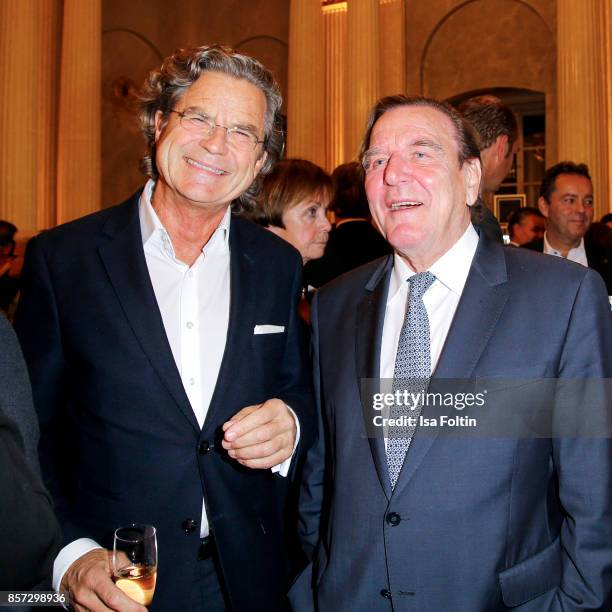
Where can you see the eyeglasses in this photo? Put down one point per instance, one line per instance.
(237, 137)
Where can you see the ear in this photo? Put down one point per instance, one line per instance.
(259, 164)
(472, 173)
(501, 146)
(543, 206)
(159, 124)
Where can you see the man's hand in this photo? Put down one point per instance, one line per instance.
(88, 580)
(262, 436)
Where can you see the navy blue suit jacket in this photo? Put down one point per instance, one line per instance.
(480, 524)
(119, 440)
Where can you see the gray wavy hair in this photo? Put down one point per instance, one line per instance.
(165, 86)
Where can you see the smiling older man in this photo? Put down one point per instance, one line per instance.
(163, 344)
(413, 518)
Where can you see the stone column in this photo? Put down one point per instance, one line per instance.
(392, 47)
(335, 17)
(584, 114)
(50, 17)
(306, 123)
(27, 29)
(79, 132)
(363, 70)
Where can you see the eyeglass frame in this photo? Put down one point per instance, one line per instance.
(214, 125)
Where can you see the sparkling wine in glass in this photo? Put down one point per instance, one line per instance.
(134, 561)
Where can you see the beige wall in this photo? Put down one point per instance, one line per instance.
(138, 33)
(457, 46)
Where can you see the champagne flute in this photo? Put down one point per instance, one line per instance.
(134, 561)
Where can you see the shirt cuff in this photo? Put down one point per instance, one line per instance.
(68, 555)
(282, 469)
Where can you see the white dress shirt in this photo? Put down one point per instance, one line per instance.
(194, 304)
(441, 301)
(577, 254)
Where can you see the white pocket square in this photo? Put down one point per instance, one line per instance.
(268, 329)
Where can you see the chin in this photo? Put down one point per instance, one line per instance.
(403, 239)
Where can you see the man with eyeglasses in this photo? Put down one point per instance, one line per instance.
(165, 354)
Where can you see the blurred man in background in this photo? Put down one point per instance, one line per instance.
(526, 224)
(566, 200)
(497, 130)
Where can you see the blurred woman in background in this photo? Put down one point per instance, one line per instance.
(293, 205)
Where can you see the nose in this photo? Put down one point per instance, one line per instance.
(397, 170)
(216, 141)
(324, 224)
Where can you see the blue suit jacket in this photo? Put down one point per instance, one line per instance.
(480, 524)
(119, 440)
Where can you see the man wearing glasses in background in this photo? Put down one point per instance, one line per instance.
(163, 345)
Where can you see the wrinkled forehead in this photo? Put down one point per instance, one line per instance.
(404, 125)
(218, 92)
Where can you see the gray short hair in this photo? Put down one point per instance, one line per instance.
(165, 86)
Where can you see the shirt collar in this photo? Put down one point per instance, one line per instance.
(572, 254)
(155, 234)
(451, 269)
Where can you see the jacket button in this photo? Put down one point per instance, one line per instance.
(189, 525)
(203, 447)
(386, 594)
(393, 519)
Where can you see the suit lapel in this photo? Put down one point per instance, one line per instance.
(482, 301)
(243, 289)
(370, 321)
(123, 258)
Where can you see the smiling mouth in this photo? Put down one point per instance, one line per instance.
(205, 167)
(403, 204)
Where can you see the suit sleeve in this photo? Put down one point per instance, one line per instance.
(313, 471)
(584, 463)
(37, 324)
(295, 387)
(29, 533)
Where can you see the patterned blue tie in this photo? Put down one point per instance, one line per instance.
(412, 369)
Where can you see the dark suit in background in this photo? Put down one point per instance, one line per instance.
(351, 244)
(485, 220)
(119, 440)
(29, 533)
(16, 393)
